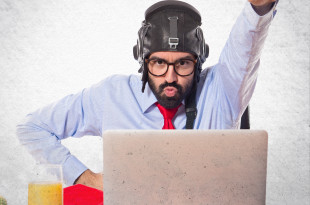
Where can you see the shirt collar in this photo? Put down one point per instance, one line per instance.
(148, 98)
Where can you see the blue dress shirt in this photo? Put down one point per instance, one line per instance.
(117, 102)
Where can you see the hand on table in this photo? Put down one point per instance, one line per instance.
(91, 179)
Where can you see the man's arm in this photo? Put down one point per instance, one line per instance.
(239, 61)
(75, 115)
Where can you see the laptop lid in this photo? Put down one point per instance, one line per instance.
(185, 167)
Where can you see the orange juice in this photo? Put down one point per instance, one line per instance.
(45, 193)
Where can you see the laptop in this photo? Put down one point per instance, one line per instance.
(185, 167)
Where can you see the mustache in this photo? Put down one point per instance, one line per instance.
(173, 84)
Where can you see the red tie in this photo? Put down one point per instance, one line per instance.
(168, 115)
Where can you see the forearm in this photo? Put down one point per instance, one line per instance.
(45, 147)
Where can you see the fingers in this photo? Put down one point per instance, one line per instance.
(261, 2)
(91, 179)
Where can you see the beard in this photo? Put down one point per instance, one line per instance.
(170, 102)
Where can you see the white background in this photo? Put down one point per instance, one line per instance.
(49, 49)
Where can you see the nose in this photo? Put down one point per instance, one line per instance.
(171, 76)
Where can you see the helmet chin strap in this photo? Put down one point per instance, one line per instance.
(190, 108)
(190, 101)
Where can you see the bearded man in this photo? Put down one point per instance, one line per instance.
(174, 93)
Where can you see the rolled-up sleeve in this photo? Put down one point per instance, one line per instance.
(75, 115)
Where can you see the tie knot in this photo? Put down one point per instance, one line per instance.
(167, 113)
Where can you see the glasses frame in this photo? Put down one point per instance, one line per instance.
(147, 61)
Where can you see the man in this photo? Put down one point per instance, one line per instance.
(176, 92)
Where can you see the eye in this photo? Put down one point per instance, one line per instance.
(184, 62)
(159, 62)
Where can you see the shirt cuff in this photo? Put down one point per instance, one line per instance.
(72, 169)
(257, 20)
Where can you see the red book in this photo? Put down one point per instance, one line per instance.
(81, 195)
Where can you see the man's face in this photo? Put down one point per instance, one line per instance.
(171, 88)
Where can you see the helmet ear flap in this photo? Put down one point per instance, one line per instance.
(204, 48)
(138, 48)
(135, 51)
(136, 55)
(144, 71)
(198, 68)
(206, 53)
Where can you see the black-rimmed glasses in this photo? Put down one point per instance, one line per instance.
(159, 67)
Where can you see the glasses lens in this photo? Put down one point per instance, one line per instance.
(157, 67)
(184, 67)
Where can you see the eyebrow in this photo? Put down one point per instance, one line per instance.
(182, 58)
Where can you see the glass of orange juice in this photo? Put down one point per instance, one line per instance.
(46, 185)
